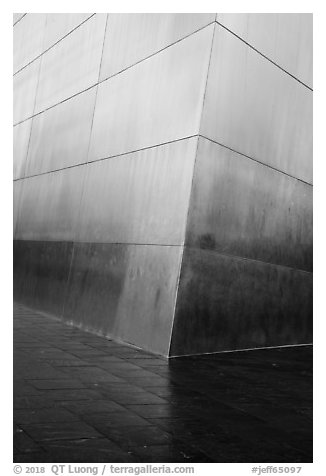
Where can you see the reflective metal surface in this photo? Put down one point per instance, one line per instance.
(17, 16)
(60, 24)
(124, 291)
(17, 191)
(140, 197)
(227, 303)
(94, 241)
(285, 38)
(72, 65)
(60, 136)
(49, 206)
(25, 84)
(243, 208)
(28, 39)
(21, 134)
(41, 270)
(156, 101)
(255, 108)
(132, 37)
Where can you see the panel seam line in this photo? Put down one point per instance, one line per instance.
(191, 189)
(256, 160)
(53, 45)
(115, 74)
(264, 56)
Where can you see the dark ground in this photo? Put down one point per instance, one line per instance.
(82, 398)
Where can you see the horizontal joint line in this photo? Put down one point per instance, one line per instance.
(107, 158)
(243, 258)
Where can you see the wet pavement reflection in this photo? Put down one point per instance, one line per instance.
(83, 398)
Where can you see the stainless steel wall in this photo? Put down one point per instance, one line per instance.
(107, 114)
(246, 277)
(162, 176)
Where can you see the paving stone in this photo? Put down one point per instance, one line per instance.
(87, 450)
(82, 398)
(89, 406)
(23, 443)
(106, 421)
(56, 384)
(60, 431)
(44, 415)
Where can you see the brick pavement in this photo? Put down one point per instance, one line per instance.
(83, 398)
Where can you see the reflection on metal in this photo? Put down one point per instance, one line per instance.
(17, 192)
(41, 270)
(49, 206)
(156, 101)
(60, 136)
(25, 84)
(228, 303)
(17, 17)
(255, 108)
(140, 197)
(121, 190)
(284, 38)
(132, 37)
(21, 137)
(243, 208)
(124, 291)
(60, 24)
(72, 65)
(28, 39)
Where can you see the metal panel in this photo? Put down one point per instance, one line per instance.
(124, 291)
(257, 109)
(17, 16)
(60, 136)
(140, 197)
(226, 303)
(41, 272)
(28, 39)
(17, 191)
(285, 38)
(50, 204)
(244, 208)
(132, 37)
(72, 65)
(60, 24)
(21, 134)
(156, 101)
(25, 84)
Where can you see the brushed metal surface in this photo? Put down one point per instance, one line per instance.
(226, 303)
(124, 291)
(21, 134)
(140, 197)
(60, 136)
(257, 109)
(60, 24)
(41, 270)
(17, 191)
(131, 37)
(28, 39)
(25, 84)
(50, 204)
(285, 38)
(72, 65)
(156, 101)
(17, 16)
(241, 207)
